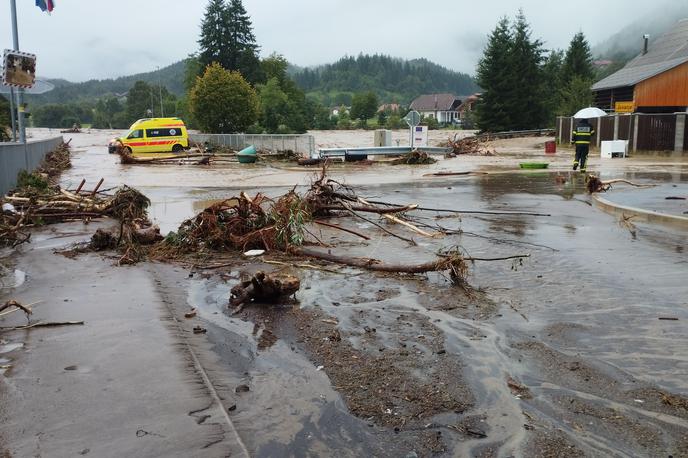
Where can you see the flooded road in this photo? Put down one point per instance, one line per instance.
(591, 328)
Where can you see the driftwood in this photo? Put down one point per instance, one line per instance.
(262, 288)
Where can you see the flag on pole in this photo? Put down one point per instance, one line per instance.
(46, 5)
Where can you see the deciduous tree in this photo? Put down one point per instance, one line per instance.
(222, 101)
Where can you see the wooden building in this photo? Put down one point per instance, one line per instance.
(656, 81)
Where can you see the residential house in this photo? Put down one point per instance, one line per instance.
(656, 81)
(442, 107)
(467, 105)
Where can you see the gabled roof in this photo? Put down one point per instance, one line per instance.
(668, 51)
(433, 102)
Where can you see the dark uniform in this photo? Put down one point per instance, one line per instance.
(581, 138)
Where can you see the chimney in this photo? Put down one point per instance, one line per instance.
(435, 101)
(646, 40)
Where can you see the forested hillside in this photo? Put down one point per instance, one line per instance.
(171, 77)
(393, 80)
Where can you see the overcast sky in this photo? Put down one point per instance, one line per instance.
(85, 39)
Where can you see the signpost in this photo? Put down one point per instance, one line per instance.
(19, 69)
(412, 119)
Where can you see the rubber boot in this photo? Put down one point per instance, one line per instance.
(575, 165)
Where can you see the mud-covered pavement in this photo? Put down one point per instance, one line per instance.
(578, 351)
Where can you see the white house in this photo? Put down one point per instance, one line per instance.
(443, 107)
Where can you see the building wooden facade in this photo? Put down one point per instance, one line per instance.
(656, 81)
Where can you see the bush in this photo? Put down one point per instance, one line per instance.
(31, 180)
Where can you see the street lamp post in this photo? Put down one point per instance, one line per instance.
(20, 91)
(162, 110)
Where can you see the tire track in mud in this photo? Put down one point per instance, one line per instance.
(200, 370)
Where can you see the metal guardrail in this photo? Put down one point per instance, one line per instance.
(517, 133)
(375, 151)
(19, 156)
(304, 144)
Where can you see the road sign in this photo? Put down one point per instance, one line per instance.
(412, 118)
(19, 69)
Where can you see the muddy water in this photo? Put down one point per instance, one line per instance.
(590, 290)
(590, 296)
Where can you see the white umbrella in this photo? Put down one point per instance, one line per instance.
(590, 112)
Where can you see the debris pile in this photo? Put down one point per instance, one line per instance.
(283, 225)
(414, 157)
(55, 162)
(468, 145)
(75, 129)
(36, 203)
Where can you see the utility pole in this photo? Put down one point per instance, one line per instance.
(162, 110)
(13, 113)
(20, 92)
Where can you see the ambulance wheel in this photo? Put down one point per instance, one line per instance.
(127, 151)
(177, 148)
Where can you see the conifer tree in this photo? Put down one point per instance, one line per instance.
(492, 76)
(213, 34)
(527, 102)
(227, 38)
(578, 60)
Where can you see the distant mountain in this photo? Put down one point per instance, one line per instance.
(392, 79)
(628, 42)
(172, 77)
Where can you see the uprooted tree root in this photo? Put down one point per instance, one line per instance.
(262, 288)
(594, 184)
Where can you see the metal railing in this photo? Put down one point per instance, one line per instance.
(303, 144)
(22, 156)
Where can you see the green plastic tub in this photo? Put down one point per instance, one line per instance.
(534, 165)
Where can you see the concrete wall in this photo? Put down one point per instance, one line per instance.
(16, 156)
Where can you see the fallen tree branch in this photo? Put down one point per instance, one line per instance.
(353, 212)
(379, 211)
(18, 306)
(411, 226)
(398, 208)
(46, 325)
(344, 229)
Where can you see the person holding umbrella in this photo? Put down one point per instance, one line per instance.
(582, 135)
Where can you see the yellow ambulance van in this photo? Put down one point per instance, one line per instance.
(153, 135)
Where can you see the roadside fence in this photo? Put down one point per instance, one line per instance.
(644, 132)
